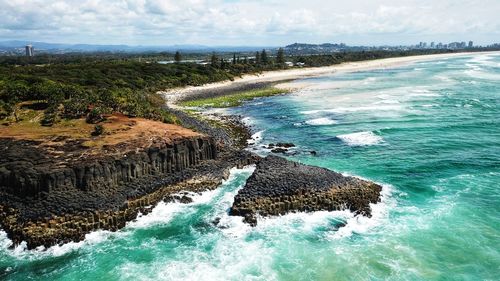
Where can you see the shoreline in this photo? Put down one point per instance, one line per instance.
(277, 77)
(151, 174)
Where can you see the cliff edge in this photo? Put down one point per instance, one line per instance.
(57, 184)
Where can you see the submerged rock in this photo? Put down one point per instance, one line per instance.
(285, 144)
(279, 150)
(279, 186)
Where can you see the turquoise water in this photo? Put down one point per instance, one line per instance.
(429, 132)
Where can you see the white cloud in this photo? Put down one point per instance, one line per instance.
(220, 22)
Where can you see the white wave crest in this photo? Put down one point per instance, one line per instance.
(248, 121)
(369, 80)
(4, 241)
(474, 73)
(321, 122)
(360, 139)
(387, 102)
(444, 78)
(256, 138)
(21, 251)
(423, 93)
(363, 224)
(356, 109)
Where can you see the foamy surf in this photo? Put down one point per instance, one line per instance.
(377, 108)
(21, 251)
(363, 224)
(387, 102)
(163, 212)
(423, 93)
(256, 138)
(360, 139)
(321, 122)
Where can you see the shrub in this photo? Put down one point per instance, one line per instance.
(98, 130)
(95, 116)
(48, 119)
(75, 108)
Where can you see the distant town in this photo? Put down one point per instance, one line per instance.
(19, 48)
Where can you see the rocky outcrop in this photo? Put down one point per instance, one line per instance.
(47, 200)
(279, 186)
(27, 171)
(63, 228)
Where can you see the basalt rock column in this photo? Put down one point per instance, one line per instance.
(279, 186)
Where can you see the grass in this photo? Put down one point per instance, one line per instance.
(235, 99)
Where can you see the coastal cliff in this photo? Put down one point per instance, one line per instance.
(28, 171)
(55, 190)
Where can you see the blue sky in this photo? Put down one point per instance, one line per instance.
(250, 23)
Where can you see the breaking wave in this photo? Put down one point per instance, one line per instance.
(321, 122)
(360, 139)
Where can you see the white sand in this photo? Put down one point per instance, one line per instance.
(292, 74)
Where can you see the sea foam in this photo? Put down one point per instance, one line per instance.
(363, 224)
(256, 138)
(360, 139)
(21, 251)
(321, 122)
(356, 109)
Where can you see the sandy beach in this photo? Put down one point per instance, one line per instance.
(251, 81)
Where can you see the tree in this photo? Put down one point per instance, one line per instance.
(257, 58)
(234, 58)
(177, 57)
(280, 56)
(214, 60)
(263, 57)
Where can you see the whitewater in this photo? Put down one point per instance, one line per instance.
(429, 132)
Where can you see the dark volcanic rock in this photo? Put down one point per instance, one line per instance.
(279, 186)
(29, 171)
(279, 150)
(285, 144)
(46, 201)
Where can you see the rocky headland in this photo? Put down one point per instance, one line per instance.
(57, 184)
(57, 189)
(279, 186)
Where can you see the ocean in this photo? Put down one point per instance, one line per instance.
(429, 132)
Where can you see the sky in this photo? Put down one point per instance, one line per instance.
(250, 23)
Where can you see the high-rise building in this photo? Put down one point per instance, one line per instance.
(29, 51)
(471, 44)
(433, 45)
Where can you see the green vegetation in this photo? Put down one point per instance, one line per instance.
(235, 99)
(78, 86)
(90, 86)
(76, 90)
(280, 56)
